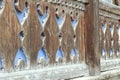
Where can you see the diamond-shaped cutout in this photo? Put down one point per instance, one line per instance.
(1, 64)
(21, 15)
(104, 28)
(118, 52)
(60, 19)
(74, 21)
(104, 52)
(118, 31)
(43, 17)
(111, 52)
(73, 54)
(2, 6)
(59, 55)
(20, 60)
(111, 30)
(42, 57)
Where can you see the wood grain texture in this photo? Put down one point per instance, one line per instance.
(116, 41)
(9, 39)
(33, 42)
(92, 37)
(51, 31)
(67, 43)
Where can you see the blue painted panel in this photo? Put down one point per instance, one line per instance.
(73, 52)
(21, 15)
(59, 20)
(104, 52)
(73, 22)
(1, 4)
(59, 53)
(111, 29)
(118, 52)
(104, 28)
(42, 53)
(111, 52)
(1, 63)
(42, 18)
(20, 55)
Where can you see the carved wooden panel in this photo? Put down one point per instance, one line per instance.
(109, 31)
(41, 33)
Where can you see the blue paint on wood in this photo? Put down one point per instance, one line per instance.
(21, 15)
(104, 27)
(42, 18)
(59, 20)
(73, 52)
(73, 22)
(1, 66)
(104, 52)
(111, 52)
(20, 55)
(42, 54)
(1, 4)
(59, 53)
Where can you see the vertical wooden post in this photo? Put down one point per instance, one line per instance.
(92, 37)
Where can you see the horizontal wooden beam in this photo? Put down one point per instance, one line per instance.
(111, 8)
(61, 72)
(52, 73)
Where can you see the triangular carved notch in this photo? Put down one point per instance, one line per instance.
(42, 16)
(22, 15)
(2, 6)
(60, 19)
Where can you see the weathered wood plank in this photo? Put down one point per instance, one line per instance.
(51, 31)
(33, 35)
(109, 7)
(92, 37)
(80, 37)
(67, 42)
(9, 39)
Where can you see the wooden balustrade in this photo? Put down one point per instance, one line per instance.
(109, 30)
(40, 33)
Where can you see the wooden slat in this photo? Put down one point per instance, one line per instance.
(51, 31)
(116, 41)
(80, 41)
(67, 42)
(9, 39)
(100, 34)
(33, 41)
(108, 39)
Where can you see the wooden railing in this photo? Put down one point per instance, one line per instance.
(109, 31)
(65, 35)
(109, 34)
(41, 33)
